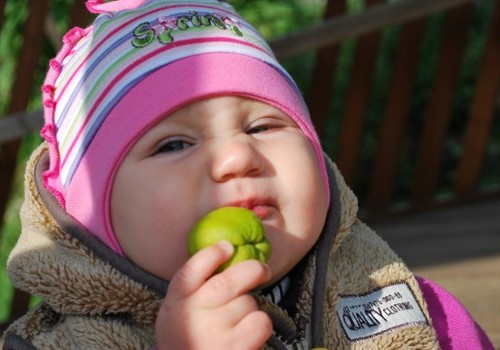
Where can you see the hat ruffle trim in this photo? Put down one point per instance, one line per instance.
(51, 177)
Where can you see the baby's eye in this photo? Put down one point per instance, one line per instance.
(172, 146)
(261, 128)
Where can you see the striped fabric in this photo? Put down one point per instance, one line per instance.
(277, 291)
(124, 48)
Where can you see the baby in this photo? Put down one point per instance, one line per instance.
(159, 113)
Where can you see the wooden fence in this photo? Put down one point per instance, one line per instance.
(366, 28)
(438, 112)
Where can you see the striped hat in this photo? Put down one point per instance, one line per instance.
(140, 61)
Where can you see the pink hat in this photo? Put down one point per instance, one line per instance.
(139, 61)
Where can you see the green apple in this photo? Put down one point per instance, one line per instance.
(239, 226)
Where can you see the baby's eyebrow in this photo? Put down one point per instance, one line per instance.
(172, 125)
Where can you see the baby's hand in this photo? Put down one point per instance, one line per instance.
(201, 311)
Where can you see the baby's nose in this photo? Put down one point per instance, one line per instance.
(235, 158)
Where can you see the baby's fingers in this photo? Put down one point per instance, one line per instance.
(195, 272)
(233, 282)
(259, 325)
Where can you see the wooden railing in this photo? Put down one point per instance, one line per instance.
(394, 123)
(366, 28)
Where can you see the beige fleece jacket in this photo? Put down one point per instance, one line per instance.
(354, 293)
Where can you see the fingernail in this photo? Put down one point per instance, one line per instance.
(226, 246)
(269, 272)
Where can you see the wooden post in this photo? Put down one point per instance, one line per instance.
(21, 92)
(356, 102)
(439, 109)
(324, 68)
(22, 88)
(396, 113)
(79, 16)
(481, 114)
(2, 12)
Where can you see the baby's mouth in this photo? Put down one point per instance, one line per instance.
(262, 211)
(262, 208)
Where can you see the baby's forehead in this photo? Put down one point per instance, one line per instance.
(221, 104)
(200, 112)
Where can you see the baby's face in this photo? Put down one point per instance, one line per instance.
(222, 151)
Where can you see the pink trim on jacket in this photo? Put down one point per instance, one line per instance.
(455, 327)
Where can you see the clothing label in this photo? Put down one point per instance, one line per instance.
(367, 315)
